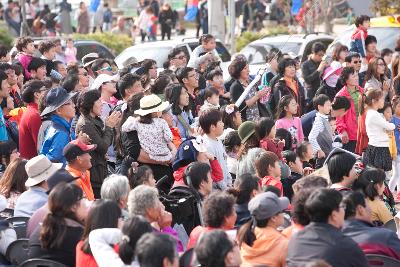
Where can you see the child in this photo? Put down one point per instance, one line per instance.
(26, 49)
(214, 78)
(213, 127)
(377, 153)
(268, 170)
(154, 134)
(287, 108)
(336, 139)
(176, 137)
(140, 175)
(232, 144)
(321, 133)
(211, 99)
(265, 130)
(387, 114)
(357, 44)
(207, 44)
(231, 118)
(305, 153)
(395, 180)
(70, 52)
(296, 172)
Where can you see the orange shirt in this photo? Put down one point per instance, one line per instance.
(83, 181)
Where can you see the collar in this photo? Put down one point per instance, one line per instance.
(33, 105)
(357, 222)
(57, 119)
(38, 189)
(76, 173)
(322, 115)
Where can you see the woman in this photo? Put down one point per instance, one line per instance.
(150, 72)
(103, 213)
(244, 189)
(375, 76)
(287, 85)
(259, 240)
(100, 133)
(144, 21)
(396, 74)
(62, 228)
(12, 184)
(166, 19)
(159, 85)
(82, 18)
(251, 108)
(180, 109)
(339, 53)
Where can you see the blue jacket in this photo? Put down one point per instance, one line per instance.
(56, 138)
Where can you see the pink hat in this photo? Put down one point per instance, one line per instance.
(334, 67)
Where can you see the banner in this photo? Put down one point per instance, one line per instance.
(191, 11)
(296, 5)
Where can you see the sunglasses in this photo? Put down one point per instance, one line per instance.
(106, 69)
(357, 62)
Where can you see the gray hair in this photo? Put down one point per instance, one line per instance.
(141, 199)
(115, 187)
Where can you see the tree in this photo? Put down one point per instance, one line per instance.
(385, 7)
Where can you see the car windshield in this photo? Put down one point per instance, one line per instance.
(386, 37)
(287, 47)
(256, 54)
(159, 54)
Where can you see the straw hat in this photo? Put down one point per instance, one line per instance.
(150, 104)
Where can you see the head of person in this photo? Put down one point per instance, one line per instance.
(4, 54)
(138, 175)
(215, 78)
(48, 49)
(247, 133)
(89, 103)
(370, 44)
(58, 48)
(231, 117)
(39, 169)
(396, 65)
(377, 68)
(121, 22)
(198, 176)
(71, 83)
(215, 248)
(356, 207)
(189, 151)
(267, 164)
(37, 68)
(396, 106)
(60, 68)
(287, 105)
(232, 142)
(287, 68)
(387, 111)
(293, 161)
(273, 57)
(324, 206)
(10, 71)
(362, 21)
(211, 122)
(340, 52)
(14, 178)
(245, 187)
(157, 250)
(25, 45)
(353, 59)
(283, 134)
(101, 66)
(103, 213)
(77, 155)
(265, 128)
(82, 74)
(219, 211)
(150, 69)
(19, 74)
(266, 210)
(32, 91)
(5, 86)
(340, 106)
(160, 83)
(318, 50)
(387, 55)
(373, 98)
(239, 69)
(65, 202)
(143, 200)
(305, 151)
(341, 168)
(310, 181)
(322, 104)
(211, 95)
(129, 84)
(207, 41)
(88, 60)
(116, 188)
(188, 77)
(177, 58)
(298, 212)
(371, 182)
(133, 229)
(179, 98)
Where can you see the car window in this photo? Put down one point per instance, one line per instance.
(287, 47)
(255, 54)
(159, 54)
(83, 49)
(104, 52)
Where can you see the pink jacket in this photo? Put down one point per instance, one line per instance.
(348, 122)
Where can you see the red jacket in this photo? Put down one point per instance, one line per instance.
(348, 122)
(28, 131)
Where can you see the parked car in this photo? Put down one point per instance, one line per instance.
(386, 30)
(298, 44)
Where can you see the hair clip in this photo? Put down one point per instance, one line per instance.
(371, 181)
(229, 109)
(124, 107)
(126, 238)
(134, 166)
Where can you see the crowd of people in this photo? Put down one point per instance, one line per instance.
(116, 167)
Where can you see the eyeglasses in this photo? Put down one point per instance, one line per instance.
(357, 62)
(84, 73)
(180, 57)
(381, 64)
(106, 69)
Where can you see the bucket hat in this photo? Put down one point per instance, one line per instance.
(40, 169)
(55, 98)
(88, 59)
(246, 130)
(151, 103)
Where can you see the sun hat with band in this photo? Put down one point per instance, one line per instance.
(39, 169)
(266, 205)
(103, 78)
(76, 148)
(55, 98)
(151, 103)
(246, 130)
(88, 59)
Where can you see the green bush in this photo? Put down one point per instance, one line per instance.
(6, 38)
(248, 37)
(116, 42)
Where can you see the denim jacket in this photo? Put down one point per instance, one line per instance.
(56, 138)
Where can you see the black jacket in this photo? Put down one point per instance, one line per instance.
(311, 76)
(326, 242)
(281, 89)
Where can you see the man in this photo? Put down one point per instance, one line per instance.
(101, 66)
(128, 85)
(313, 68)
(177, 59)
(37, 68)
(342, 170)
(322, 238)
(189, 78)
(354, 60)
(120, 27)
(48, 51)
(61, 110)
(30, 122)
(77, 155)
(106, 86)
(60, 68)
(359, 227)
(370, 47)
(39, 169)
(156, 249)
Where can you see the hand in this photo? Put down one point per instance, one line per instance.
(308, 171)
(10, 103)
(196, 131)
(322, 66)
(386, 86)
(282, 141)
(320, 154)
(84, 138)
(345, 137)
(113, 119)
(165, 219)
(209, 156)
(262, 93)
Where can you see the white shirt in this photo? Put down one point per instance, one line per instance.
(376, 127)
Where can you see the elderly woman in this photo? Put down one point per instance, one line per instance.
(100, 133)
(116, 187)
(251, 108)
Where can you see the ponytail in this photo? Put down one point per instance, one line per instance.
(361, 103)
(246, 232)
(368, 98)
(53, 231)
